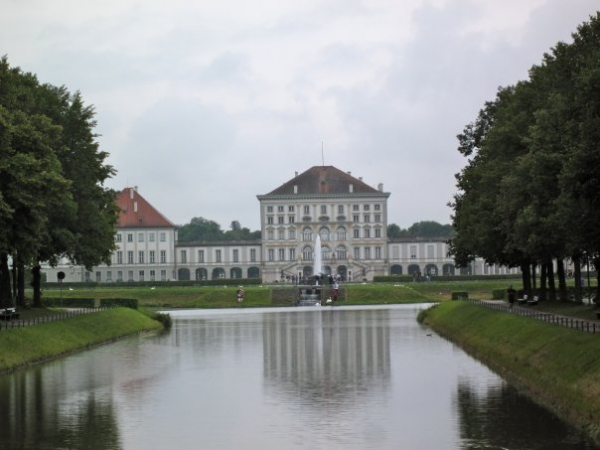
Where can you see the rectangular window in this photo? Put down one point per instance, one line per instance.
(152, 257)
(200, 256)
(271, 254)
(119, 276)
(218, 256)
(377, 217)
(280, 209)
(377, 232)
(413, 251)
(270, 235)
(119, 257)
(269, 209)
(163, 236)
(377, 207)
(152, 275)
(151, 236)
(163, 275)
(355, 207)
(367, 252)
(366, 207)
(292, 233)
(130, 257)
(118, 237)
(292, 254)
(140, 237)
(430, 251)
(129, 237)
(270, 220)
(323, 209)
(377, 252)
(236, 255)
(356, 252)
(163, 256)
(141, 275)
(130, 275)
(183, 256)
(367, 232)
(141, 257)
(340, 209)
(356, 218)
(291, 208)
(367, 218)
(306, 209)
(280, 220)
(281, 253)
(109, 275)
(281, 234)
(98, 277)
(356, 233)
(252, 255)
(291, 219)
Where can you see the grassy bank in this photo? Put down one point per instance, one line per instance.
(24, 346)
(557, 367)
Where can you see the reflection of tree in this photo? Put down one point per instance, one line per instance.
(328, 354)
(33, 417)
(503, 418)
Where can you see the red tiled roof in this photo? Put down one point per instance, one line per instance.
(136, 212)
(324, 180)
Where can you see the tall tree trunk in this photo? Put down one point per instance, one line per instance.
(543, 281)
(21, 285)
(14, 280)
(577, 275)
(36, 273)
(5, 290)
(526, 276)
(562, 281)
(533, 278)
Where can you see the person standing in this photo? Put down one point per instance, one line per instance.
(512, 296)
(240, 295)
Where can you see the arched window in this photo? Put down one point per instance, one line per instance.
(324, 233)
(307, 253)
(325, 252)
(201, 274)
(341, 233)
(341, 252)
(307, 234)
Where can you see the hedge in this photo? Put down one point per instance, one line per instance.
(72, 302)
(126, 302)
(460, 295)
(175, 283)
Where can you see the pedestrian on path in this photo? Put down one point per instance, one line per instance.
(512, 294)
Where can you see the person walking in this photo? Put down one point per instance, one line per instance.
(512, 295)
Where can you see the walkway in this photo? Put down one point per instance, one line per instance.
(588, 326)
(20, 323)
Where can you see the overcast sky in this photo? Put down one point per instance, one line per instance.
(203, 104)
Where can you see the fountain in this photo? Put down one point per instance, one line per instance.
(312, 297)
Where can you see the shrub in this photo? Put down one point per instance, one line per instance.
(498, 294)
(126, 302)
(73, 302)
(460, 295)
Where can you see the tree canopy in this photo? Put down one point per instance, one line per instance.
(530, 192)
(53, 202)
(425, 228)
(201, 229)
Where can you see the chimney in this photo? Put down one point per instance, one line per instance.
(296, 173)
(134, 206)
(351, 188)
(360, 178)
(380, 187)
(131, 191)
(295, 189)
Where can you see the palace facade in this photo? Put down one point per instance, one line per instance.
(350, 217)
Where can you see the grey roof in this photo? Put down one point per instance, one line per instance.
(323, 180)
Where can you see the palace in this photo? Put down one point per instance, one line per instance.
(350, 217)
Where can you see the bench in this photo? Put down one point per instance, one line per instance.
(533, 301)
(8, 314)
(522, 301)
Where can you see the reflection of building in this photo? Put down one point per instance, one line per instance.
(328, 350)
(349, 216)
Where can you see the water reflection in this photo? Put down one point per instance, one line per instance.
(328, 378)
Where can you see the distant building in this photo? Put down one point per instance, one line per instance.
(350, 216)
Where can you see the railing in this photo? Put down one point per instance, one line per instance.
(20, 323)
(584, 325)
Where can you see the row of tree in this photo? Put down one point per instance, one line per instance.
(529, 195)
(201, 229)
(52, 199)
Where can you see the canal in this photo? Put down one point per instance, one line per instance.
(285, 378)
